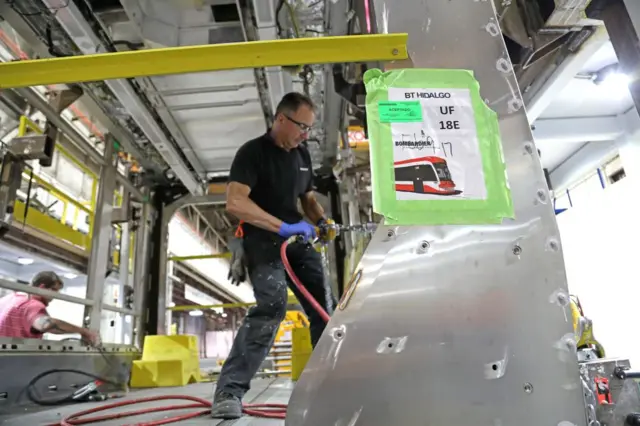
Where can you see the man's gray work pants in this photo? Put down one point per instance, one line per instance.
(270, 281)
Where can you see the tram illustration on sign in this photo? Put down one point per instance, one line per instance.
(424, 175)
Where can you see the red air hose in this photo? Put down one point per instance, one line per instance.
(287, 267)
(273, 411)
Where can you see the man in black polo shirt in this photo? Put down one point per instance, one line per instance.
(268, 177)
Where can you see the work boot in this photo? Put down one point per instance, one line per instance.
(226, 406)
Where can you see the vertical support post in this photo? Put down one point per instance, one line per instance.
(168, 296)
(141, 271)
(101, 237)
(163, 276)
(158, 267)
(123, 272)
(338, 245)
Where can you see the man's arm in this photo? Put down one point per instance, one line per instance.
(241, 206)
(312, 207)
(46, 324)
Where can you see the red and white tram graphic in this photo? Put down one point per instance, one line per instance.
(424, 175)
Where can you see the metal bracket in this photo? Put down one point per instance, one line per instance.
(32, 147)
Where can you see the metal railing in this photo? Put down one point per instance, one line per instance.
(37, 291)
(27, 125)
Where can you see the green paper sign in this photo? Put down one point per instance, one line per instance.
(400, 112)
(435, 148)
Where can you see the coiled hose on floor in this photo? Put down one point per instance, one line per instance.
(274, 411)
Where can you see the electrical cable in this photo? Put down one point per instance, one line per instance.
(31, 388)
(273, 411)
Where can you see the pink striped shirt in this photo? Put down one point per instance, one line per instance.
(17, 314)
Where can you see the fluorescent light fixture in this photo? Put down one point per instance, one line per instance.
(70, 275)
(196, 313)
(25, 260)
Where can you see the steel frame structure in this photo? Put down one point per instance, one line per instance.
(164, 286)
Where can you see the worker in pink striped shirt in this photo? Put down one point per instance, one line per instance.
(25, 316)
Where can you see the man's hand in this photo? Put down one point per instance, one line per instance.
(238, 265)
(327, 230)
(302, 228)
(91, 337)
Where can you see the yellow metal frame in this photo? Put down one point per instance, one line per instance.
(27, 125)
(59, 228)
(50, 225)
(215, 57)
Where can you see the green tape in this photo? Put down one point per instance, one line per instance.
(445, 168)
(400, 112)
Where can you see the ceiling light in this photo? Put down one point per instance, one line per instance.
(196, 313)
(224, 315)
(25, 261)
(70, 275)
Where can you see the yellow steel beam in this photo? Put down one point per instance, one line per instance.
(215, 57)
(200, 256)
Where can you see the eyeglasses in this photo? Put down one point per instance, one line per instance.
(303, 127)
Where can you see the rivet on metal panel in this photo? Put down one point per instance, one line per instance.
(528, 388)
(492, 28)
(503, 65)
(394, 52)
(560, 297)
(392, 345)
(423, 247)
(517, 250)
(528, 147)
(552, 244)
(567, 348)
(338, 333)
(391, 235)
(542, 196)
(515, 104)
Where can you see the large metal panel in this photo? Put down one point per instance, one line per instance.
(455, 325)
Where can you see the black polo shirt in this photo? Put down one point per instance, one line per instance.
(277, 178)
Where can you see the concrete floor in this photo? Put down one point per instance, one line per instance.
(273, 391)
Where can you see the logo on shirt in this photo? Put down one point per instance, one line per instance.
(304, 169)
